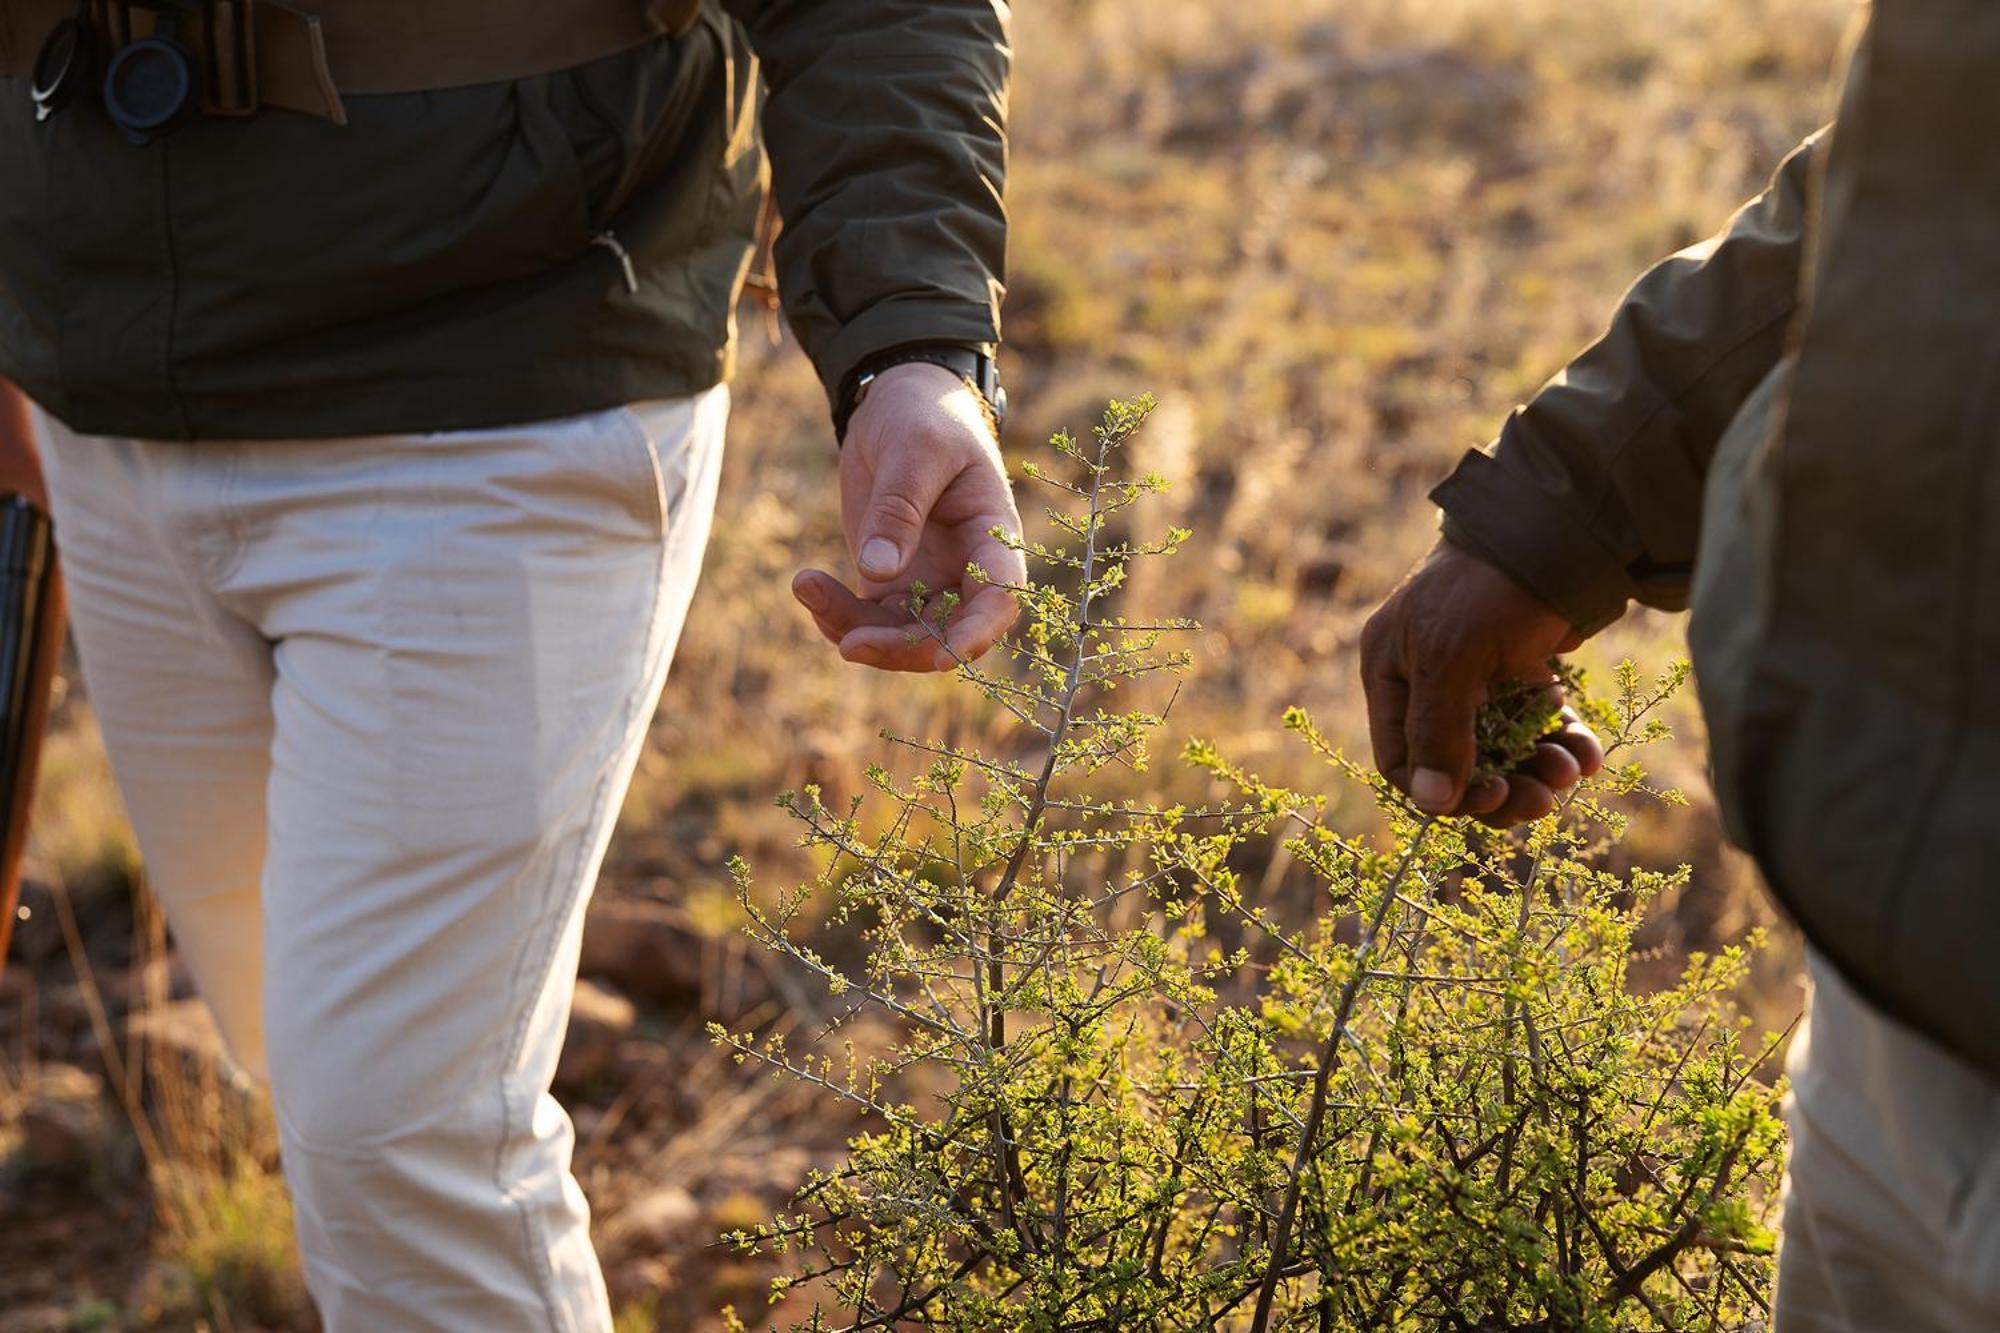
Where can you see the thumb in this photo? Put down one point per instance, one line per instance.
(1443, 708)
(899, 504)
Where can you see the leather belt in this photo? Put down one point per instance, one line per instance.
(272, 53)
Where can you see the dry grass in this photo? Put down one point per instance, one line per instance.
(1339, 239)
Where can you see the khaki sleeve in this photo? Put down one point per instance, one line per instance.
(1591, 495)
(886, 121)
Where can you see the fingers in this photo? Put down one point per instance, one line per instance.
(1444, 703)
(1560, 761)
(836, 610)
(1483, 798)
(1553, 766)
(1388, 696)
(881, 635)
(1527, 799)
(900, 501)
(867, 632)
(1581, 742)
(1421, 729)
(907, 647)
(990, 608)
(980, 622)
(817, 591)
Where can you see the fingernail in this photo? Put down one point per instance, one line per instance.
(809, 592)
(1431, 790)
(878, 557)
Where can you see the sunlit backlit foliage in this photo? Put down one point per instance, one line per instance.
(1147, 1104)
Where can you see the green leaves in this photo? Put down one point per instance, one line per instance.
(1103, 1085)
(1508, 727)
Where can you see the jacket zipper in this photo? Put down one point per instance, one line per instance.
(610, 242)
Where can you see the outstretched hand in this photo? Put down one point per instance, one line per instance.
(1452, 634)
(922, 487)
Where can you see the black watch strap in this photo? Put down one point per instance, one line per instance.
(973, 364)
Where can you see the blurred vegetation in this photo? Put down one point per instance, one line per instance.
(1339, 239)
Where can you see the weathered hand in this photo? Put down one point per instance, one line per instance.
(1455, 630)
(922, 487)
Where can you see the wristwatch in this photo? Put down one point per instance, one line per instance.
(972, 363)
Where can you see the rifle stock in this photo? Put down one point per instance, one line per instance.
(31, 630)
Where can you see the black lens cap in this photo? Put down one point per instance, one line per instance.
(62, 66)
(149, 87)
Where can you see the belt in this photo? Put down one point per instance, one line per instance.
(255, 54)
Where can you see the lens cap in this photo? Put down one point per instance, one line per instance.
(62, 66)
(149, 87)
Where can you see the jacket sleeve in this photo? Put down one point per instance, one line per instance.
(886, 121)
(1591, 495)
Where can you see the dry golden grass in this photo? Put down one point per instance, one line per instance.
(1339, 239)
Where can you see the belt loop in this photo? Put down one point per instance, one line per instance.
(230, 58)
(292, 47)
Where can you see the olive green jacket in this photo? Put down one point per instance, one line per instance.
(1796, 427)
(452, 259)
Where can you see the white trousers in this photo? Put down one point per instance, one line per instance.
(1892, 1193)
(373, 705)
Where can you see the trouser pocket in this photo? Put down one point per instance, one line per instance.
(1892, 1218)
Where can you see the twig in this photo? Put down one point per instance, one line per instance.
(1329, 1060)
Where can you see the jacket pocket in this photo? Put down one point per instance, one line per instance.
(623, 114)
(31, 295)
(642, 472)
(327, 237)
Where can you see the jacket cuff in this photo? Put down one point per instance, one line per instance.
(1535, 538)
(896, 323)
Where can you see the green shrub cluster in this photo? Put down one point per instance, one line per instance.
(1123, 1095)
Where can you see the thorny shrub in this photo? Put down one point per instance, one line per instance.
(1146, 1103)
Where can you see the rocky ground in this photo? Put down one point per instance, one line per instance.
(675, 1146)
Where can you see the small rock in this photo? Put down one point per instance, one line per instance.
(646, 949)
(184, 1051)
(62, 1009)
(1321, 576)
(643, 1058)
(586, 1120)
(167, 978)
(39, 1319)
(186, 1031)
(599, 1018)
(63, 1125)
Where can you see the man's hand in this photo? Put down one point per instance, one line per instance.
(1453, 632)
(922, 487)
